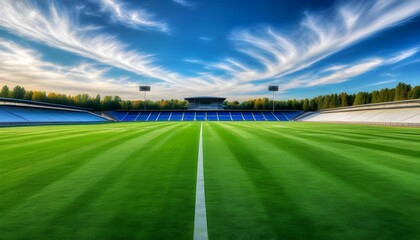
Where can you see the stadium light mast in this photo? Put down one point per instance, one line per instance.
(144, 89)
(273, 89)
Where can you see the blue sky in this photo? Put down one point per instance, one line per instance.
(229, 48)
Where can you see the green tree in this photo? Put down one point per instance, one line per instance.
(306, 105)
(401, 91)
(97, 102)
(28, 95)
(5, 92)
(312, 105)
(39, 96)
(414, 93)
(107, 103)
(361, 98)
(344, 99)
(376, 97)
(18, 92)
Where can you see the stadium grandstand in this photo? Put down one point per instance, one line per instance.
(24, 112)
(189, 115)
(398, 113)
(203, 109)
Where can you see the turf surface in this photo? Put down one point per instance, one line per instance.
(262, 181)
(118, 181)
(311, 181)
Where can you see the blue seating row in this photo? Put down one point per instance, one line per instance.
(150, 116)
(12, 114)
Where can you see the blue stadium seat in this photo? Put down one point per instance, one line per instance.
(237, 116)
(224, 116)
(143, 116)
(6, 116)
(259, 116)
(119, 115)
(12, 114)
(176, 116)
(292, 114)
(153, 116)
(281, 117)
(248, 116)
(164, 116)
(131, 116)
(269, 116)
(212, 116)
(200, 116)
(189, 116)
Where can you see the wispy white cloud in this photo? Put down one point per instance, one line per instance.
(57, 28)
(334, 68)
(23, 66)
(132, 18)
(185, 3)
(379, 83)
(191, 60)
(403, 55)
(319, 36)
(205, 38)
(413, 61)
(345, 72)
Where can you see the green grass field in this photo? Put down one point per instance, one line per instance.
(262, 181)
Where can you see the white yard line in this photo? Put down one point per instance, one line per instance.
(200, 218)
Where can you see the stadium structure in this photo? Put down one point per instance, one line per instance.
(24, 112)
(199, 103)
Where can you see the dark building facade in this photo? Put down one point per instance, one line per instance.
(205, 103)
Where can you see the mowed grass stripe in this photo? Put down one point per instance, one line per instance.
(52, 162)
(309, 191)
(281, 215)
(234, 210)
(46, 137)
(352, 164)
(76, 173)
(385, 152)
(104, 173)
(381, 156)
(152, 206)
(37, 135)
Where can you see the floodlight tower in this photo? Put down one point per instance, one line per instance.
(144, 89)
(273, 89)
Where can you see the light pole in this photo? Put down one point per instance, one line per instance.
(273, 89)
(144, 89)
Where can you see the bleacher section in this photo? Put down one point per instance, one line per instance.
(407, 115)
(248, 116)
(150, 116)
(29, 115)
(176, 116)
(401, 113)
(189, 116)
(224, 116)
(212, 116)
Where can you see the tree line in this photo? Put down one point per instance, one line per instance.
(401, 92)
(96, 103)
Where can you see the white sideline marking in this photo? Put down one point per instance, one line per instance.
(200, 218)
